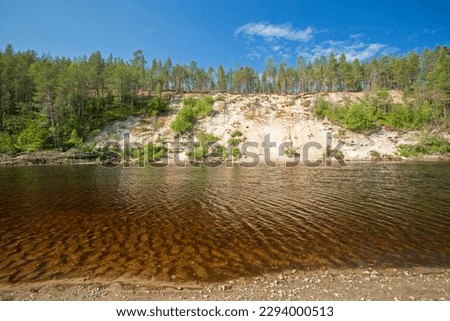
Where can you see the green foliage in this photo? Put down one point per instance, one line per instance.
(156, 152)
(356, 117)
(382, 100)
(236, 133)
(407, 117)
(322, 108)
(291, 152)
(360, 117)
(236, 138)
(7, 144)
(428, 145)
(332, 153)
(436, 144)
(33, 138)
(201, 107)
(206, 138)
(184, 120)
(234, 141)
(373, 112)
(340, 154)
(84, 94)
(205, 141)
(158, 106)
(412, 150)
(236, 152)
(219, 151)
(75, 140)
(134, 152)
(400, 117)
(199, 152)
(192, 110)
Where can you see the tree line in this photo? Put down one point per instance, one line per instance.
(55, 102)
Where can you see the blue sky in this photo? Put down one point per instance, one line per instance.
(229, 32)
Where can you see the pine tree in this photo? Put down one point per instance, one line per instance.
(221, 79)
(331, 73)
(281, 79)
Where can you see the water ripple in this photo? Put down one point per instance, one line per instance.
(214, 224)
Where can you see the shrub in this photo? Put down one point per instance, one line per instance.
(158, 106)
(204, 142)
(291, 152)
(205, 138)
(379, 110)
(236, 152)
(423, 115)
(156, 152)
(406, 117)
(75, 140)
(234, 141)
(191, 111)
(360, 117)
(400, 117)
(236, 133)
(7, 144)
(322, 108)
(332, 153)
(203, 107)
(428, 145)
(184, 120)
(337, 114)
(198, 153)
(219, 151)
(412, 150)
(436, 145)
(236, 138)
(33, 137)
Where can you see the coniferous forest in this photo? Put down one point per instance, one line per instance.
(55, 103)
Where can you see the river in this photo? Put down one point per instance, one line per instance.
(211, 224)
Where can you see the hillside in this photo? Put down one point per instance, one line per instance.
(287, 118)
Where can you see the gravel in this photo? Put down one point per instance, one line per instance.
(349, 284)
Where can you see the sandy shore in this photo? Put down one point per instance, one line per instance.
(349, 284)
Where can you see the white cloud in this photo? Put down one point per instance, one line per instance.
(276, 48)
(356, 35)
(278, 42)
(270, 31)
(254, 55)
(431, 31)
(256, 52)
(352, 49)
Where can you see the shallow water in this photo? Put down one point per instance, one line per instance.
(214, 224)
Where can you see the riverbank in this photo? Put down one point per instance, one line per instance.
(390, 284)
(48, 158)
(243, 125)
(52, 158)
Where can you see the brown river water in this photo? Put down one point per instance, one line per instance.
(213, 224)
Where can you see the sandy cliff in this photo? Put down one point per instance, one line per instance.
(286, 118)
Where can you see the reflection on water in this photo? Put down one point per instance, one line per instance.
(213, 224)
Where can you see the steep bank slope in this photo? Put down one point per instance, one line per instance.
(285, 118)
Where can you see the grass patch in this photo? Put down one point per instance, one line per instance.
(429, 145)
(236, 133)
(236, 152)
(204, 146)
(193, 109)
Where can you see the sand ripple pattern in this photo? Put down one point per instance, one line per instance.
(215, 224)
